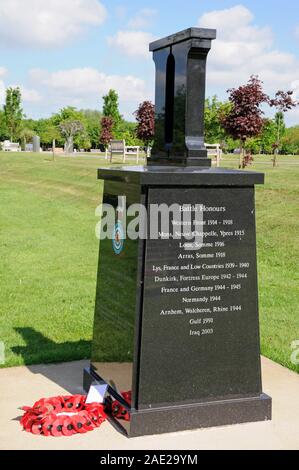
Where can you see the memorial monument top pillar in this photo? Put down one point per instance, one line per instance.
(180, 61)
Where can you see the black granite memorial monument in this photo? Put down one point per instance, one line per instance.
(176, 321)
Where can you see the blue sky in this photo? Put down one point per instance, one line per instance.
(73, 51)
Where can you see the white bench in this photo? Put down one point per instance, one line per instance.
(118, 147)
(214, 150)
(8, 146)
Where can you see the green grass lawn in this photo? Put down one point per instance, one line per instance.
(49, 256)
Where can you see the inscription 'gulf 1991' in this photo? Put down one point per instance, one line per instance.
(209, 281)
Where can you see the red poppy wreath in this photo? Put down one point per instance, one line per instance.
(68, 415)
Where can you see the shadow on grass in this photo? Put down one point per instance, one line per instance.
(41, 350)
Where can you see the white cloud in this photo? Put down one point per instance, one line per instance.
(2, 92)
(143, 19)
(81, 82)
(3, 71)
(30, 95)
(243, 48)
(84, 88)
(235, 24)
(132, 43)
(295, 89)
(47, 23)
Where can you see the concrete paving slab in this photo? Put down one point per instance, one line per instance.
(24, 385)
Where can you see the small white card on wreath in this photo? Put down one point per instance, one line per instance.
(96, 393)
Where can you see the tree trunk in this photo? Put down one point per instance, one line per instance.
(277, 143)
(275, 158)
(69, 145)
(23, 144)
(242, 154)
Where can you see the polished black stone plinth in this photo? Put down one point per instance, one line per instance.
(176, 321)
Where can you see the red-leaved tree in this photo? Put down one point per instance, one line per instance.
(245, 118)
(106, 131)
(283, 102)
(145, 116)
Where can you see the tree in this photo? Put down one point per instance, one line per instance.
(245, 118)
(290, 141)
(283, 102)
(71, 124)
(145, 116)
(13, 113)
(48, 132)
(3, 128)
(26, 135)
(106, 131)
(127, 131)
(93, 126)
(214, 109)
(268, 136)
(265, 141)
(46, 129)
(70, 128)
(110, 108)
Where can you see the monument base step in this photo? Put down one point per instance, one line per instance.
(203, 415)
(192, 416)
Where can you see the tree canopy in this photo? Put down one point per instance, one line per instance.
(145, 116)
(13, 113)
(111, 108)
(214, 111)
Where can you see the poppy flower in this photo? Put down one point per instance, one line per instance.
(57, 427)
(37, 428)
(89, 425)
(46, 409)
(28, 421)
(97, 413)
(47, 425)
(68, 427)
(78, 423)
(127, 396)
(124, 414)
(57, 404)
(96, 419)
(79, 403)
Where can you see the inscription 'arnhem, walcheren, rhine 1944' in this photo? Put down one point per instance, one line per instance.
(176, 321)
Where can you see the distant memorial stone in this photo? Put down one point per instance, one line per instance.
(176, 319)
(36, 144)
